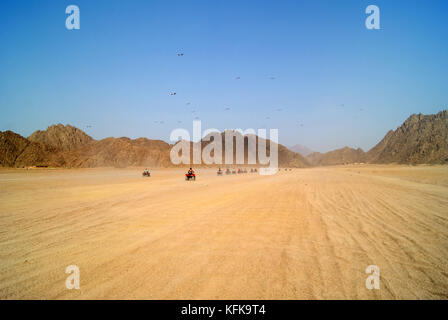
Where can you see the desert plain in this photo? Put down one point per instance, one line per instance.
(300, 234)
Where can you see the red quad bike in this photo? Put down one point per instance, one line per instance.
(146, 174)
(190, 176)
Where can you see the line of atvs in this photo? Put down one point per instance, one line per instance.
(191, 176)
(234, 171)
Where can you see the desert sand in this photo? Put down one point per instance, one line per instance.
(300, 234)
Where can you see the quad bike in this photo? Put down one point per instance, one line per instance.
(146, 174)
(228, 171)
(219, 173)
(233, 171)
(190, 176)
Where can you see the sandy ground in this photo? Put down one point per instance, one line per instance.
(301, 234)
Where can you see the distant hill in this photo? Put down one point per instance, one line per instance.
(120, 152)
(66, 138)
(304, 151)
(17, 151)
(420, 139)
(340, 156)
(67, 146)
(286, 158)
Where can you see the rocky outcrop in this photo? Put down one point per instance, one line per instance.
(304, 151)
(420, 139)
(344, 155)
(17, 151)
(66, 138)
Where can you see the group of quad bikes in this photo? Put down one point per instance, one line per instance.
(234, 171)
(191, 176)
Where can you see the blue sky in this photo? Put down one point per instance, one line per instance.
(336, 83)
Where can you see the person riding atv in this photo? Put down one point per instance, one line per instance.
(228, 171)
(146, 173)
(190, 175)
(219, 172)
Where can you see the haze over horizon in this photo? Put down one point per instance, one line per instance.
(324, 82)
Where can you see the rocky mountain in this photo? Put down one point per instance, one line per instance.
(420, 139)
(286, 158)
(67, 146)
(340, 156)
(120, 152)
(66, 138)
(304, 151)
(17, 151)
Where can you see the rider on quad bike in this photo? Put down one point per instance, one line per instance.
(146, 173)
(190, 175)
(219, 172)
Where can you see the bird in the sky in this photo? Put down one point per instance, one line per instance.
(188, 103)
(88, 126)
(272, 78)
(180, 54)
(227, 109)
(279, 109)
(173, 93)
(238, 78)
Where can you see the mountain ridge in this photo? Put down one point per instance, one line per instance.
(421, 139)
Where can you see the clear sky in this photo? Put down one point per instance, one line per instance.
(336, 83)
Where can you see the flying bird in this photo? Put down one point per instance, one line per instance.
(172, 93)
(272, 78)
(238, 78)
(180, 54)
(227, 109)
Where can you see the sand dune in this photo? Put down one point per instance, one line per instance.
(301, 234)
